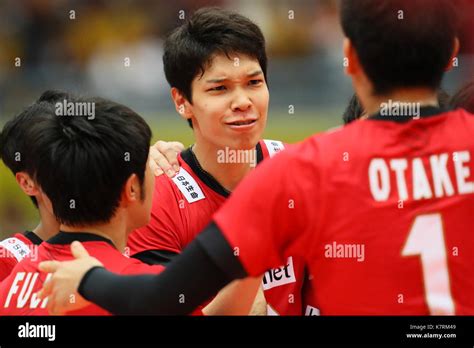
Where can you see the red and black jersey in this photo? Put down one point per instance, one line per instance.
(183, 206)
(18, 290)
(15, 249)
(380, 210)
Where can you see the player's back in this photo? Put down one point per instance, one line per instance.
(394, 222)
(18, 291)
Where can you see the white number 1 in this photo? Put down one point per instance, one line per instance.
(426, 239)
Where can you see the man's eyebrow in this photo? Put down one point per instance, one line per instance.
(252, 74)
(255, 73)
(217, 80)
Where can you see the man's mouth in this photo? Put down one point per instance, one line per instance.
(241, 123)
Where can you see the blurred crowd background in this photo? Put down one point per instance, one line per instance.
(85, 46)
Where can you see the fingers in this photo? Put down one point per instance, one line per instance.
(154, 158)
(49, 266)
(53, 306)
(78, 250)
(159, 160)
(46, 290)
(177, 146)
(165, 157)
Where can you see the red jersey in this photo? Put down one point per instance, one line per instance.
(18, 291)
(381, 210)
(15, 249)
(183, 206)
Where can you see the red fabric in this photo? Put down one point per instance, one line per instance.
(9, 259)
(28, 273)
(175, 223)
(316, 197)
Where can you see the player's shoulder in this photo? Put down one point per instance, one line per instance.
(464, 117)
(13, 238)
(16, 247)
(269, 147)
(130, 265)
(184, 185)
(111, 257)
(119, 262)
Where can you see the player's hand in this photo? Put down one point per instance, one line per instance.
(61, 288)
(164, 157)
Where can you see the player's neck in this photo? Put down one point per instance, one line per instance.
(115, 230)
(422, 96)
(227, 174)
(48, 226)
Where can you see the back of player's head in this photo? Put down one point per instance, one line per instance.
(210, 31)
(464, 98)
(82, 163)
(401, 43)
(13, 136)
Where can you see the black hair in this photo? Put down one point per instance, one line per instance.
(464, 98)
(82, 163)
(209, 31)
(401, 43)
(13, 139)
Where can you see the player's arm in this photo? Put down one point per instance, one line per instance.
(206, 266)
(237, 298)
(268, 230)
(259, 306)
(164, 157)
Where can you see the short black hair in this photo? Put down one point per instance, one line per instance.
(464, 98)
(83, 163)
(401, 43)
(13, 138)
(209, 31)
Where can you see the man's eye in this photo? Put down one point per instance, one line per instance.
(255, 82)
(218, 88)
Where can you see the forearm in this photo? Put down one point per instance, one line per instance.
(235, 299)
(207, 265)
(259, 306)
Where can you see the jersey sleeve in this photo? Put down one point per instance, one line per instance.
(269, 214)
(165, 228)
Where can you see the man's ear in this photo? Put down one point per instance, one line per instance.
(27, 184)
(131, 190)
(454, 54)
(182, 105)
(351, 60)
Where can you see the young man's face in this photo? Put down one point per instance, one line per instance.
(230, 103)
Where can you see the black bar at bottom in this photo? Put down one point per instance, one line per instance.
(220, 330)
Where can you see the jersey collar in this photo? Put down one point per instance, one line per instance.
(425, 111)
(189, 157)
(64, 238)
(33, 237)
